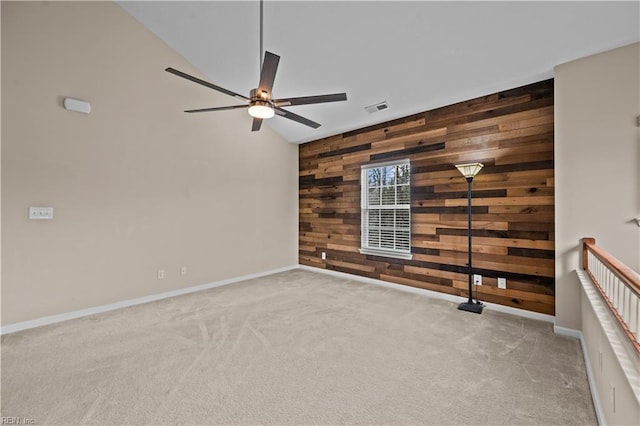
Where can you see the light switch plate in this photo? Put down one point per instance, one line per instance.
(40, 212)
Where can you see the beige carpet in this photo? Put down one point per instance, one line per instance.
(296, 348)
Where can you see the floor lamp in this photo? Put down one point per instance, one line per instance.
(469, 170)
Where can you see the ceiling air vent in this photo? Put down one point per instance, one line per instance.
(377, 107)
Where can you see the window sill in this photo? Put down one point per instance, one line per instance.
(386, 253)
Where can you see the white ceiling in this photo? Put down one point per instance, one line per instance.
(416, 55)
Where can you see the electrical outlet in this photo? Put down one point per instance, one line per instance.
(183, 270)
(477, 279)
(40, 212)
(324, 255)
(502, 283)
(160, 274)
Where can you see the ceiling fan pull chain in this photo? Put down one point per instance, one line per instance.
(261, 49)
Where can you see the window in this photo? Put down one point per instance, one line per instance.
(386, 210)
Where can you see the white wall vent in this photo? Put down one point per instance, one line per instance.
(380, 106)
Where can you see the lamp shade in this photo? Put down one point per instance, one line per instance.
(469, 170)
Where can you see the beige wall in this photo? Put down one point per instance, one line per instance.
(597, 161)
(137, 185)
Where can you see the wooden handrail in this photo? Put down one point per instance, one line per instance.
(628, 276)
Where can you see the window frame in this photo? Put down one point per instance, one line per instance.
(366, 208)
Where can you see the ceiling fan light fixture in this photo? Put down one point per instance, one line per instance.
(260, 109)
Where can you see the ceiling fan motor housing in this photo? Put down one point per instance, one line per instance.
(256, 95)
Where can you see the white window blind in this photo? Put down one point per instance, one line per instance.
(386, 209)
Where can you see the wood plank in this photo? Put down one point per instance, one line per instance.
(443, 245)
(500, 242)
(503, 201)
(350, 265)
(418, 284)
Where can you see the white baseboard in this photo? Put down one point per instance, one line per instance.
(52, 319)
(433, 294)
(569, 332)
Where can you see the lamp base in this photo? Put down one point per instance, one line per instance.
(475, 307)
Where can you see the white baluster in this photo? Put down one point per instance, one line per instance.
(622, 287)
(626, 300)
(611, 292)
(635, 325)
(633, 314)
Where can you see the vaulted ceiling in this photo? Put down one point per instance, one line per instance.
(416, 55)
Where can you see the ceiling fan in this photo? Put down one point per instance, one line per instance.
(260, 102)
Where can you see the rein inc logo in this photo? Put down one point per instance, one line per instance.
(17, 421)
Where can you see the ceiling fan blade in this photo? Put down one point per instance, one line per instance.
(257, 122)
(295, 117)
(224, 108)
(205, 83)
(305, 100)
(268, 73)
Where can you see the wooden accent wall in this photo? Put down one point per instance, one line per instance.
(511, 132)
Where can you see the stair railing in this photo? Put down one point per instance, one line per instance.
(618, 285)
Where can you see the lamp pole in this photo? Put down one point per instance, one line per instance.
(469, 171)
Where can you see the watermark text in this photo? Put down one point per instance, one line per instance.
(6, 420)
